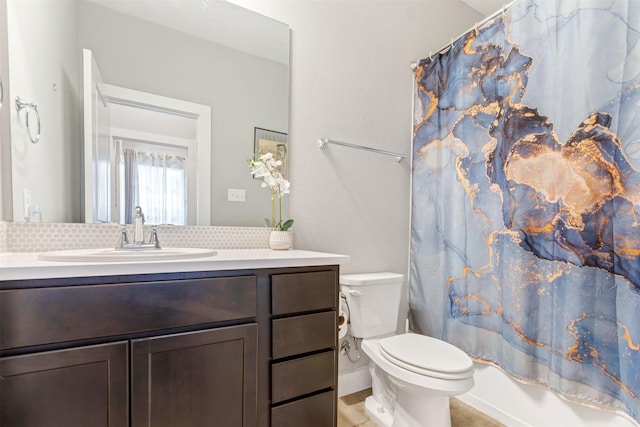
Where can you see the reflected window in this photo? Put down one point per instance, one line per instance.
(154, 177)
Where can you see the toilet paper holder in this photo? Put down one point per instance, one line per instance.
(343, 316)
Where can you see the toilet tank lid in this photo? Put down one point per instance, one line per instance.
(364, 279)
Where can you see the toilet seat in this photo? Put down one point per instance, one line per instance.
(426, 356)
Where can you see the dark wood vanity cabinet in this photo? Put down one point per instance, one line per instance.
(241, 348)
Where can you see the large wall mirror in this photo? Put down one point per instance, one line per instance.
(186, 80)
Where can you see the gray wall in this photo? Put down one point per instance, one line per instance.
(352, 81)
(45, 70)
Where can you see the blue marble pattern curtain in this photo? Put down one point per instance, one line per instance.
(525, 238)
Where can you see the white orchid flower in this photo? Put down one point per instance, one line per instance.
(268, 168)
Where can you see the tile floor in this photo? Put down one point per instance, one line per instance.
(351, 413)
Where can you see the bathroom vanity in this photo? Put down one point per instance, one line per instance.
(244, 338)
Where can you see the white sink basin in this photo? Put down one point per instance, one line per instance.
(111, 255)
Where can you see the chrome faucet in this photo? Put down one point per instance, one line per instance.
(138, 234)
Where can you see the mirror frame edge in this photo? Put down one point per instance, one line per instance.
(6, 187)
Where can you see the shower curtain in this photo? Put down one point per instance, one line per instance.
(525, 233)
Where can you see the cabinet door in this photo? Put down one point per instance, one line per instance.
(79, 387)
(205, 378)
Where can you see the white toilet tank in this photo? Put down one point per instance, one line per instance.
(374, 302)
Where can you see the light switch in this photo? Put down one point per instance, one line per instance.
(26, 201)
(235, 195)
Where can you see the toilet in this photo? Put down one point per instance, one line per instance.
(413, 375)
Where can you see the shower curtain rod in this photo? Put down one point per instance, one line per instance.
(323, 142)
(502, 11)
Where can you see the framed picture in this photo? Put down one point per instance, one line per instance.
(269, 141)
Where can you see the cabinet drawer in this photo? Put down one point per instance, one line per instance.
(50, 315)
(296, 293)
(297, 377)
(302, 334)
(314, 411)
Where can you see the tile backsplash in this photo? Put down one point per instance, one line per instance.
(3, 236)
(41, 237)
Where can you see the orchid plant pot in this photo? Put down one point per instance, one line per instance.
(280, 240)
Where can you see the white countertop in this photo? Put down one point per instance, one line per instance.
(25, 266)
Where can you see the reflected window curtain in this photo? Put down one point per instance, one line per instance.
(129, 178)
(175, 201)
(525, 240)
(157, 182)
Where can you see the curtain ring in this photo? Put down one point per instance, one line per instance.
(20, 104)
(451, 43)
(430, 56)
(475, 29)
(504, 10)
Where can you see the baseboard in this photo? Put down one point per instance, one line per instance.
(353, 381)
(490, 410)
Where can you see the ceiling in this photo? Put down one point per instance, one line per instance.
(486, 7)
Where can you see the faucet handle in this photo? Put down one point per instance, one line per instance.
(154, 237)
(123, 235)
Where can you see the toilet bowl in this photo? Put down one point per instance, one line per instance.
(422, 386)
(413, 375)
